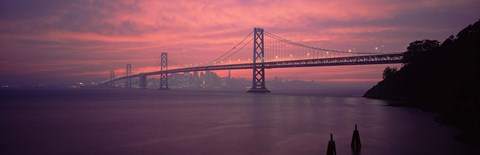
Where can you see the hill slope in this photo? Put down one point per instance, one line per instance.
(443, 78)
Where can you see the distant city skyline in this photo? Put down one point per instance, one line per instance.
(82, 41)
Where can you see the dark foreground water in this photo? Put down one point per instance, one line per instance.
(107, 121)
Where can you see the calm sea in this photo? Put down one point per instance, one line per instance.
(191, 122)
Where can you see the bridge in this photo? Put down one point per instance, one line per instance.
(269, 52)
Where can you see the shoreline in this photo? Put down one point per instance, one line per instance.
(469, 132)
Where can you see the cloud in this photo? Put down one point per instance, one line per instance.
(42, 37)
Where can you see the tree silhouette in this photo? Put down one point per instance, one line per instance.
(388, 72)
(422, 46)
(441, 78)
(417, 49)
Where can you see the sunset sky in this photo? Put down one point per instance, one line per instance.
(67, 41)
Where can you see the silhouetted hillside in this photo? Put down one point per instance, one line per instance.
(442, 78)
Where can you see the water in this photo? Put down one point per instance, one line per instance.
(102, 121)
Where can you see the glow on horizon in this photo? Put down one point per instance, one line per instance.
(74, 40)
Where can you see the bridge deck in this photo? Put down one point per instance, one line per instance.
(340, 61)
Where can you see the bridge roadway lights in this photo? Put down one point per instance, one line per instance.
(258, 79)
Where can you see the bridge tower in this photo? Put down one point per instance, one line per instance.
(163, 71)
(112, 76)
(258, 80)
(128, 80)
(143, 81)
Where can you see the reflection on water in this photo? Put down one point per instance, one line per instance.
(188, 122)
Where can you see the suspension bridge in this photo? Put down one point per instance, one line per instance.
(269, 51)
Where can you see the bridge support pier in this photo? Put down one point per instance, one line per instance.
(112, 76)
(163, 72)
(128, 80)
(258, 80)
(143, 81)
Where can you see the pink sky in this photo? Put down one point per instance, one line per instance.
(72, 41)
